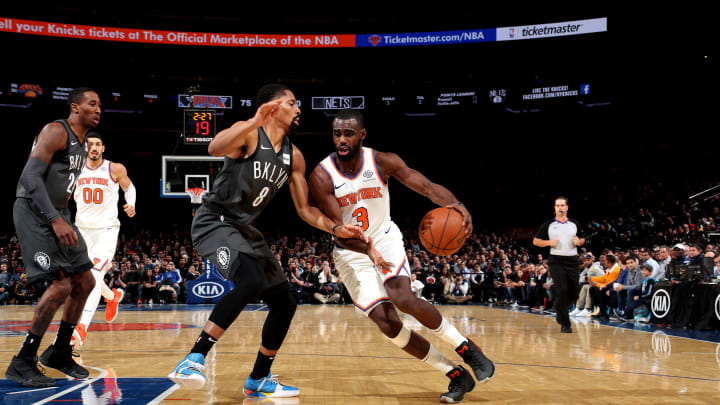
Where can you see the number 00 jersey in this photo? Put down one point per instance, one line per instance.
(364, 199)
(96, 196)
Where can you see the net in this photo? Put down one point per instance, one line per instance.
(196, 194)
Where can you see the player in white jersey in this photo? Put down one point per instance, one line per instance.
(350, 186)
(96, 197)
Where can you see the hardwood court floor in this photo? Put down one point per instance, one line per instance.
(337, 357)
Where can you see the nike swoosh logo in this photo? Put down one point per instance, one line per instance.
(262, 147)
(388, 230)
(73, 143)
(337, 187)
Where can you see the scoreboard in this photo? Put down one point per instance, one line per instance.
(198, 126)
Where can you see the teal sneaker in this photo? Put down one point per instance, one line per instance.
(268, 387)
(188, 373)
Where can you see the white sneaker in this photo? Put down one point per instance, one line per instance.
(574, 312)
(584, 312)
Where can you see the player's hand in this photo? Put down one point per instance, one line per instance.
(65, 233)
(129, 210)
(266, 111)
(553, 242)
(467, 218)
(377, 258)
(350, 232)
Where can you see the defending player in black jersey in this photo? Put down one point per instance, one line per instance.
(52, 248)
(259, 159)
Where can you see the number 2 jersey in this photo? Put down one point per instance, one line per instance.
(96, 197)
(63, 170)
(364, 198)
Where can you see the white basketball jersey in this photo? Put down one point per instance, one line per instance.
(96, 196)
(364, 199)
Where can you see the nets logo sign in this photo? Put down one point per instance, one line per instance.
(208, 289)
(660, 304)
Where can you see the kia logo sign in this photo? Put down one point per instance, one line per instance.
(208, 289)
(717, 307)
(660, 303)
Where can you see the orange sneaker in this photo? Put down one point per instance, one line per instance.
(79, 335)
(111, 309)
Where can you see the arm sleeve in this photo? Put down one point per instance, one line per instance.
(32, 180)
(543, 231)
(130, 195)
(580, 232)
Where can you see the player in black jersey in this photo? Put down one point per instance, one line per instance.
(259, 159)
(51, 246)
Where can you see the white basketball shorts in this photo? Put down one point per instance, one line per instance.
(101, 243)
(364, 281)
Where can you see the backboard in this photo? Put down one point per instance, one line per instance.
(180, 173)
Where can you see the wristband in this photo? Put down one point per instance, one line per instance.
(333, 229)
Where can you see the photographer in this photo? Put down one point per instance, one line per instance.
(458, 290)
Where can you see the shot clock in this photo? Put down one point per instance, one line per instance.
(198, 126)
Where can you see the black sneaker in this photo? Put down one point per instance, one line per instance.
(483, 368)
(24, 371)
(566, 329)
(62, 360)
(460, 382)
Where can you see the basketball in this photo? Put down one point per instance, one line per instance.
(442, 232)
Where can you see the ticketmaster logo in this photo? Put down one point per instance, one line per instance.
(552, 30)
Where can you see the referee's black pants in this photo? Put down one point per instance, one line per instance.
(564, 273)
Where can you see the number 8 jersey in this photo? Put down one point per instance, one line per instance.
(364, 198)
(96, 197)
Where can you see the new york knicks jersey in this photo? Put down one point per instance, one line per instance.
(96, 196)
(363, 198)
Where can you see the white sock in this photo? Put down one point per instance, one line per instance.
(449, 334)
(93, 300)
(100, 282)
(438, 361)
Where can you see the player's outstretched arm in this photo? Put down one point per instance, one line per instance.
(51, 139)
(119, 173)
(230, 141)
(392, 165)
(312, 215)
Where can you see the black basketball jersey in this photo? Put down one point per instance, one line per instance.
(245, 186)
(63, 170)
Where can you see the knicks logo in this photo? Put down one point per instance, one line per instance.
(362, 194)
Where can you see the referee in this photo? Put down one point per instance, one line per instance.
(563, 235)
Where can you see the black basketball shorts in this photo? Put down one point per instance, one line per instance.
(221, 242)
(42, 253)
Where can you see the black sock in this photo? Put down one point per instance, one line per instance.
(64, 333)
(262, 366)
(203, 344)
(30, 346)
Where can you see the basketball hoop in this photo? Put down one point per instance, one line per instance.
(195, 194)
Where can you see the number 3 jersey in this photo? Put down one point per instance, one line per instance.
(364, 198)
(96, 197)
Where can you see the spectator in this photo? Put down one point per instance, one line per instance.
(599, 290)
(642, 296)
(416, 286)
(457, 293)
(644, 256)
(583, 306)
(662, 257)
(24, 293)
(624, 290)
(147, 289)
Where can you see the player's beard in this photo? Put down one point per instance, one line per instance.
(351, 154)
(293, 126)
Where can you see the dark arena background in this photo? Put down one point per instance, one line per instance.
(508, 109)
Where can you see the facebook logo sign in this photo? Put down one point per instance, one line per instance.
(584, 89)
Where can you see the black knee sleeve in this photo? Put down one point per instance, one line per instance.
(248, 284)
(282, 309)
